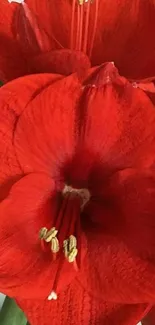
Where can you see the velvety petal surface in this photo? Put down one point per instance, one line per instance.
(14, 97)
(28, 207)
(116, 113)
(45, 133)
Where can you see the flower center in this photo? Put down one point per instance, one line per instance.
(65, 236)
(81, 31)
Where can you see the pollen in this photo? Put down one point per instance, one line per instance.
(81, 2)
(50, 236)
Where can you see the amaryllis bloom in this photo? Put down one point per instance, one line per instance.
(77, 155)
(77, 163)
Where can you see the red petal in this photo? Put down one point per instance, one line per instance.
(133, 193)
(64, 62)
(150, 318)
(54, 18)
(31, 37)
(31, 204)
(121, 241)
(45, 134)
(12, 63)
(125, 36)
(43, 24)
(117, 126)
(111, 268)
(28, 208)
(13, 100)
(148, 85)
(85, 309)
(125, 113)
(6, 17)
(23, 36)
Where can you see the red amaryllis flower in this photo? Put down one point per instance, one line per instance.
(77, 161)
(77, 198)
(70, 35)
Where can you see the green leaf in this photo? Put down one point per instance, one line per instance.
(11, 314)
(1, 83)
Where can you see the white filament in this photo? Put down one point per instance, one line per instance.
(17, 1)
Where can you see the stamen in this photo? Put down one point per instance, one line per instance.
(72, 25)
(95, 27)
(70, 248)
(86, 28)
(81, 29)
(78, 27)
(43, 233)
(55, 245)
(50, 236)
(69, 225)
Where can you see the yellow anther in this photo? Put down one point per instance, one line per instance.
(55, 245)
(70, 248)
(81, 2)
(72, 255)
(50, 236)
(43, 233)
